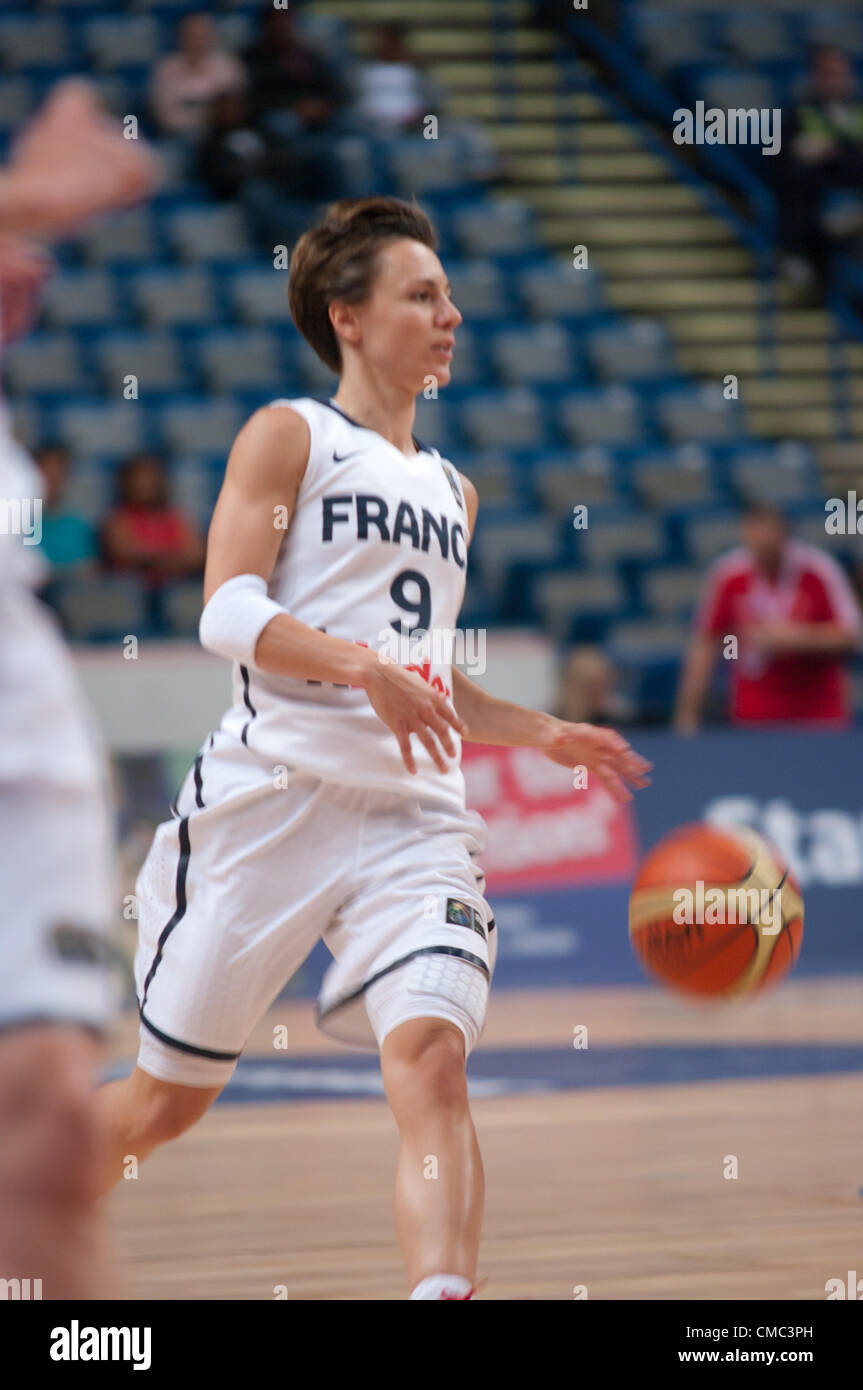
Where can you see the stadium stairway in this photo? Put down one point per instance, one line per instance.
(669, 244)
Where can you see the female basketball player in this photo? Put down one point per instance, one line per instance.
(311, 812)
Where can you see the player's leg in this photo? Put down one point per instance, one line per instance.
(49, 1163)
(415, 948)
(440, 1187)
(141, 1112)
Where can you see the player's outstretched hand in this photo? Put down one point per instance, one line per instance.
(74, 161)
(602, 751)
(409, 705)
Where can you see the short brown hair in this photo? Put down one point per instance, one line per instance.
(338, 259)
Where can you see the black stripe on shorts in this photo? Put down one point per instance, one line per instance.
(422, 951)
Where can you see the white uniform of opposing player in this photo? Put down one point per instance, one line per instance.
(55, 843)
(299, 819)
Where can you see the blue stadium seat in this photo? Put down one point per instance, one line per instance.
(238, 358)
(260, 296)
(478, 290)
(124, 237)
(127, 40)
(96, 428)
(153, 357)
(36, 40)
(708, 536)
(81, 297)
(608, 540)
(836, 26)
(418, 166)
(46, 362)
(679, 477)
(194, 488)
(558, 290)
(699, 414)
(208, 233)
(504, 537)
(537, 353)
(759, 38)
(191, 425)
(89, 491)
(174, 296)
(511, 418)
(632, 350)
(495, 227)
(182, 605)
(16, 101)
(102, 608)
(561, 484)
(671, 591)
(560, 596)
(669, 38)
(610, 415)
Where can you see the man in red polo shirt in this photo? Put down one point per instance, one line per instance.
(796, 622)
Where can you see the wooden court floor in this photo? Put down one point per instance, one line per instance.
(618, 1188)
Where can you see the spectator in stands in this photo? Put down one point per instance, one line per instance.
(794, 622)
(278, 183)
(184, 83)
(588, 693)
(287, 75)
(823, 151)
(143, 534)
(69, 543)
(393, 94)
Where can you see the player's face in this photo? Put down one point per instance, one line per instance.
(408, 322)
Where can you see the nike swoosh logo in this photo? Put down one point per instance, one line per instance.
(340, 458)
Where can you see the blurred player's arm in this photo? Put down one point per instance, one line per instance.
(694, 682)
(71, 162)
(789, 638)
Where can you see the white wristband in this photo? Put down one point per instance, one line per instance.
(235, 617)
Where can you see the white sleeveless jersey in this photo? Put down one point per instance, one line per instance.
(376, 549)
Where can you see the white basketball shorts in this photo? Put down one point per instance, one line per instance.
(257, 865)
(56, 869)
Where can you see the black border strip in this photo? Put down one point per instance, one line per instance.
(187, 1047)
(199, 781)
(244, 672)
(179, 911)
(323, 400)
(422, 951)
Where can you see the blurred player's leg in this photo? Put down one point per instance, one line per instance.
(50, 1229)
(141, 1112)
(55, 847)
(438, 1219)
(56, 991)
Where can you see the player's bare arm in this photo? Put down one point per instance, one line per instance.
(603, 751)
(262, 480)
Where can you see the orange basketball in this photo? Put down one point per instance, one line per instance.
(716, 912)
